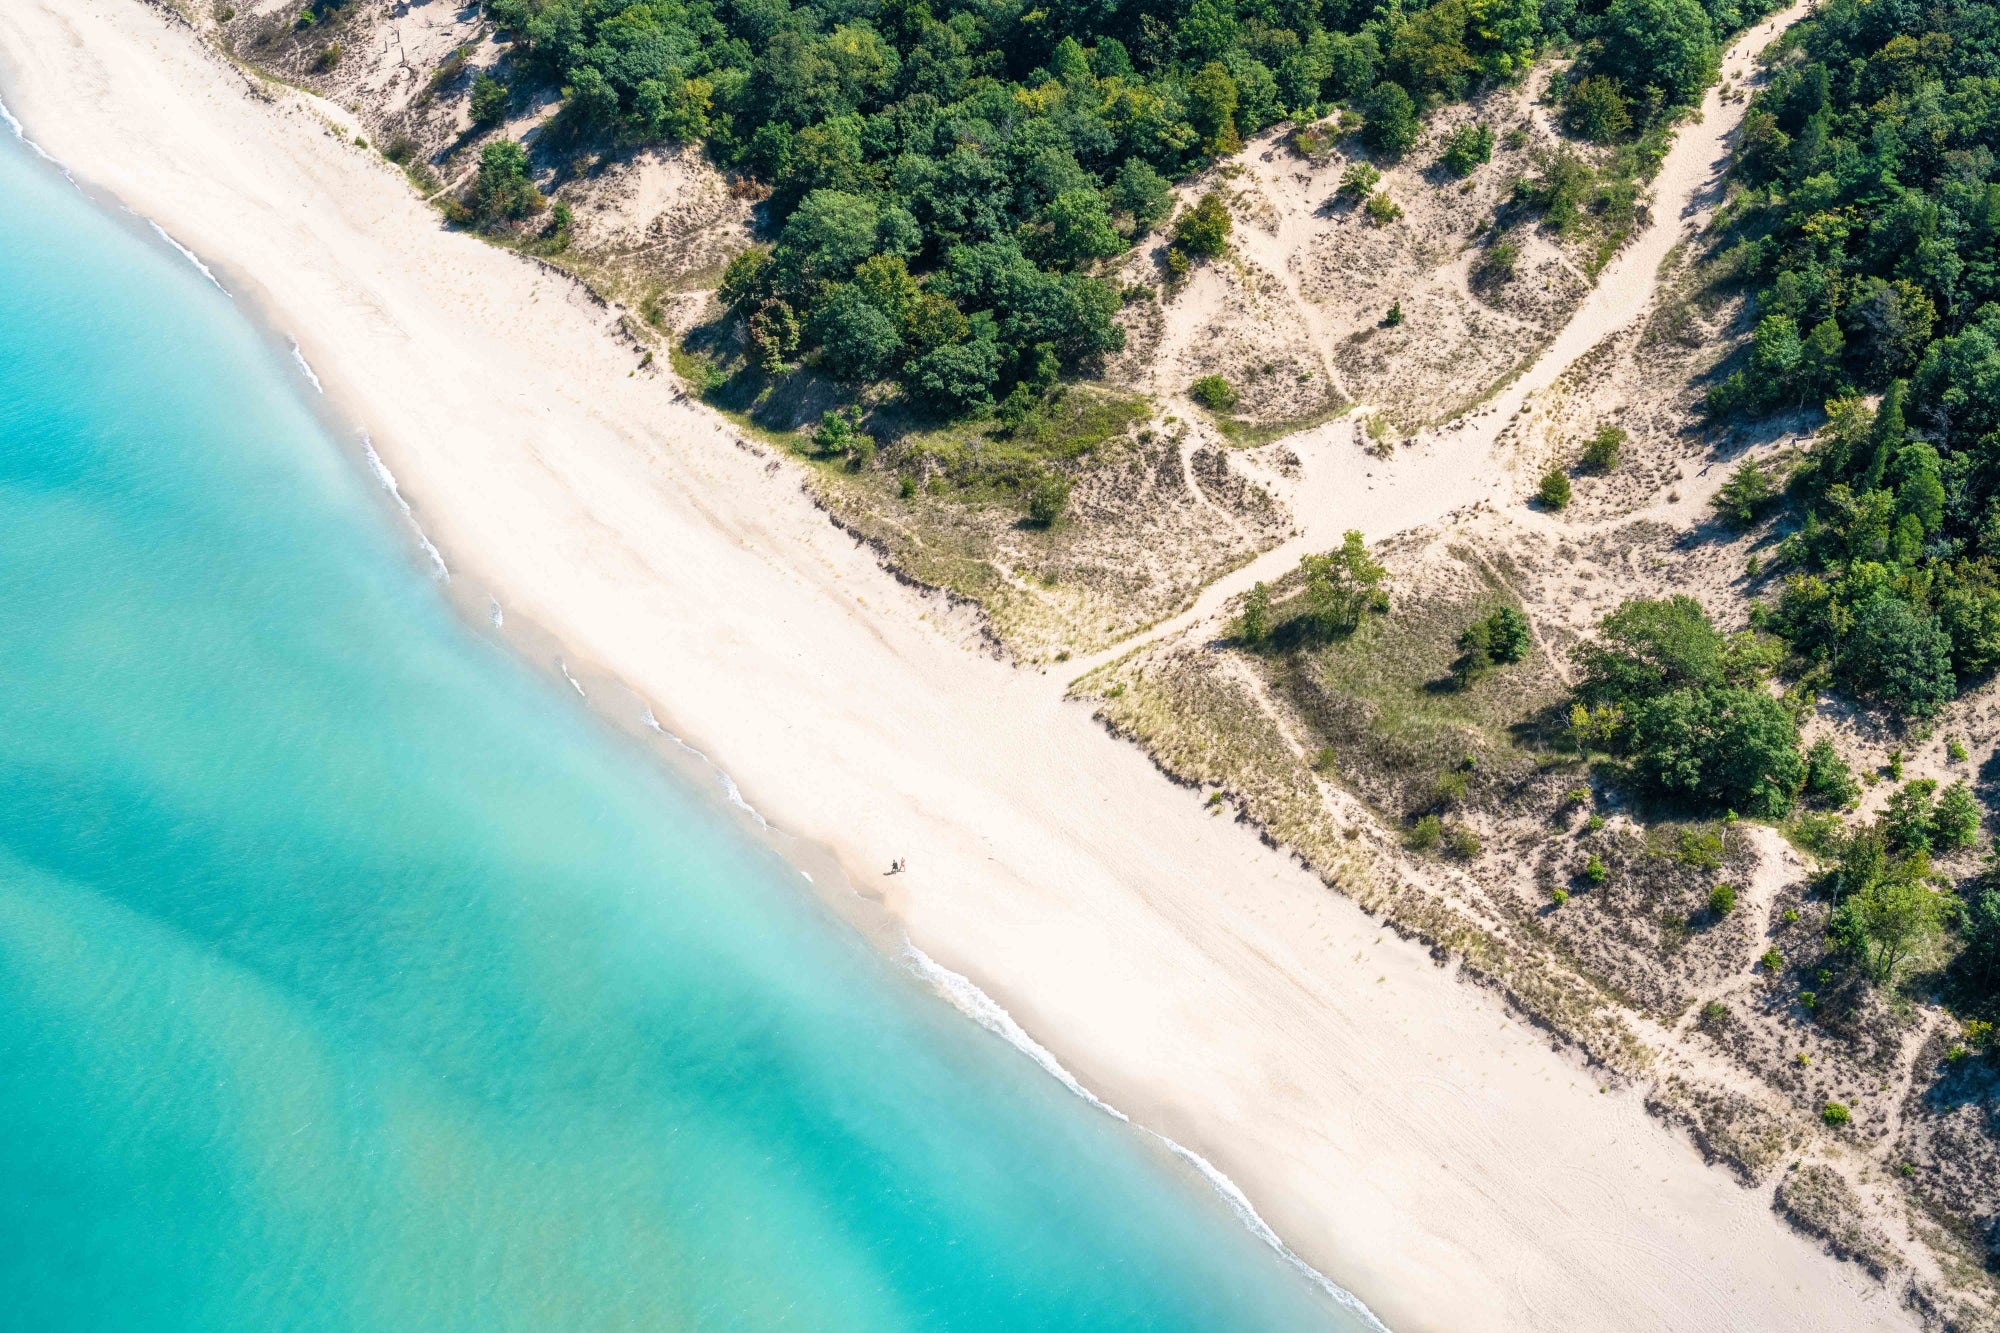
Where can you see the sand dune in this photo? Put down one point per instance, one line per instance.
(1393, 1124)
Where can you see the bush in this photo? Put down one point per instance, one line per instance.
(1358, 182)
(490, 100)
(1835, 1114)
(1594, 869)
(1203, 231)
(1772, 960)
(1214, 393)
(1461, 843)
(502, 191)
(1048, 499)
(1389, 119)
(1600, 453)
(1596, 109)
(1466, 149)
(1748, 492)
(1955, 821)
(1382, 210)
(1722, 899)
(1424, 834)
(1554, 490)
(1559, 896)
(1395, 315)
(1829, 783)
(1257, 613)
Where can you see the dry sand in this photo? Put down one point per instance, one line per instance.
(1394, 1125)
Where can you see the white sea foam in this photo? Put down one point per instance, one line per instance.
(571, 679)
(729, 788)
(209, 273)
(304, 365)
(499, 617)
(21, 133)
(984, 1010)
(388, 483)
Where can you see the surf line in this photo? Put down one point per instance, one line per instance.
(965, 996)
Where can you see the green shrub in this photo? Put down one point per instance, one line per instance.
(1835, 1114)
(1596, 109)
(1424, 834)
(1746, 495)
(1358, 182)
(1594, 869)
(1600, 453)
(1214, 393)
(1954, 750)
(1772, 960)
(1381, 209)
(1466, 149)
(1395, 315)
(490, 100)
(1554, 490)
(1203, 231)
(1559, 896)
(1829, 783)
(1461, 843)
(1722, 899)
(1714, 1013)
(1955, 820)
(1256, 624)
(1047, 500)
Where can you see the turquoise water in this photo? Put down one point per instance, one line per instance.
(352, 977)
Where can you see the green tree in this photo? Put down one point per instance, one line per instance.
(1212, 99)
(1955, 821)
(1509, 635)
(1389, 120)
(1829, 783)
(1897, 915)
(1143, 194)
(1048, 499)
(1554, 490)
(1667, 44)
(1257, 613)
(1899, 657)
(1466, 148)
(1203, 231)
(1748, 492)
(1596, 109)
(1214, 393)
(502, 191)
(490, 100)
(1080, 228)
(1600, 453)
(1341, 585)
(857, 341)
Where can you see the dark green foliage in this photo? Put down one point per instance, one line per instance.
(1979, 963)
(1043, 138)
(1203, 231)
(1829, 782)
(1907, 818)
(1955, 820)
(1746, 495)
(1466, 149)
(1389, 119)
(1596, 109)
(1665, 44)
(502, 192)
(1899, 657)
(1600, 454)
(1501, 638)
(1722, 900)
(1554, 490)
(1688, 709)
(490, 100)
(1214, 393)
(1867, 234)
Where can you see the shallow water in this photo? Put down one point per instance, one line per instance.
(352, 977)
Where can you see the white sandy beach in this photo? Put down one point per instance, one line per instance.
(1395, 1125)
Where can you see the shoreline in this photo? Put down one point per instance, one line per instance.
(775, 547)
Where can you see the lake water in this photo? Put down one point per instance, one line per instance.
(353, 977)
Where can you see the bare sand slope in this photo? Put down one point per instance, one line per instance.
(1341, 485)
(1392, 1123)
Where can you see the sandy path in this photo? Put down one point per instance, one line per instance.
(1459, 465)
(1392, 1123)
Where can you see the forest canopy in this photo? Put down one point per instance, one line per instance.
(1870, 236)
(945, 175)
